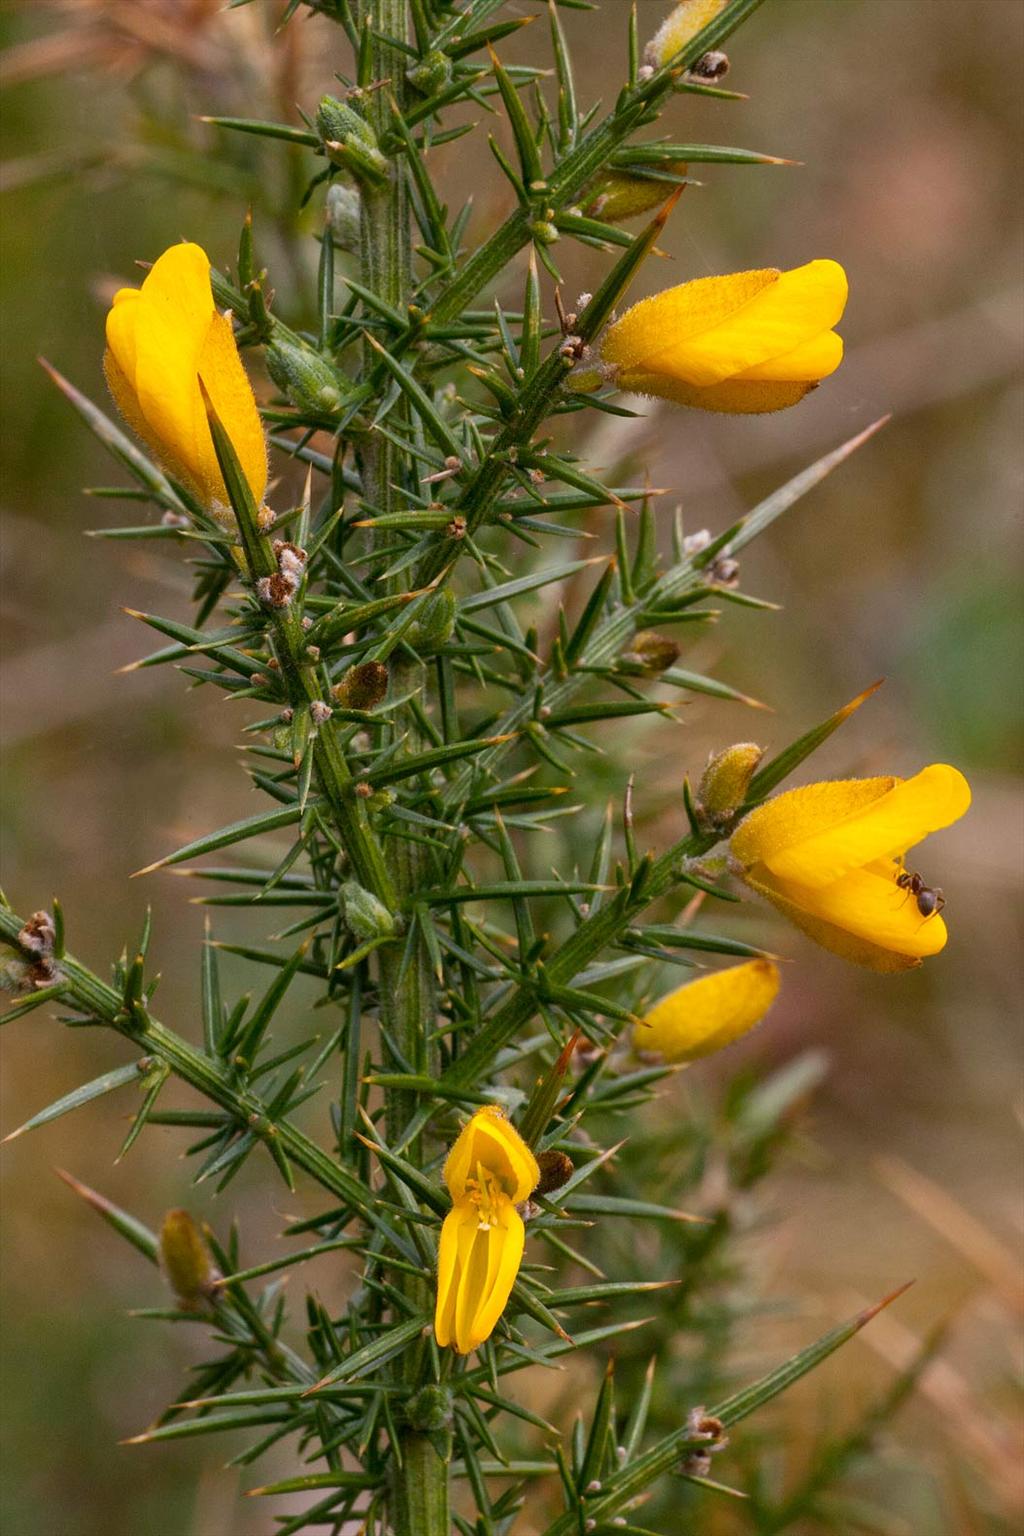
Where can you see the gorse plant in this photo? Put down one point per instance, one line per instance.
(492, 1032)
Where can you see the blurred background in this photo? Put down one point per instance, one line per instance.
(906, 118)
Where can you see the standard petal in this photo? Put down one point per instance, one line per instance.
(883, 828)
(864, 906)
(798, 814)
(704, 1015)
(780, 318)
(489, 1140)
(679, 313)
(174, 312)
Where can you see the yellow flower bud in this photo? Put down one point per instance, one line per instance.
(703, 1016)
(162, 339)
(186, 1259)
(490, 1170)
(831, 858)
(747, 343)
(726, 778)
(683, 23)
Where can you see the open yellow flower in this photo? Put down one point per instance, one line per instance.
(490, 1170)
(747, 343)
(162, 339)
(831, 857)
(704, 1015)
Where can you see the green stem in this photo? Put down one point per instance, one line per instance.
(575, 954)
(418, 1498)
(102, 1002)
(569, 178)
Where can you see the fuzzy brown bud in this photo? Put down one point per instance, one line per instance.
(38, 935)
(556, 1169)
(363, 685)
(654, 652)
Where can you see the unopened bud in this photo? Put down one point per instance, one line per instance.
(619, 195)
(544, 232)
(430, 1408)
(653, 652)
(343, 216)
(363, 685)
(349, 141)
(366, 917)
(556, 1169)
(186, 1259)
(431, 74)
(726, 779)
(304, 376)
(435, 623)
(679, 28)
(38, 935)
(711, 66)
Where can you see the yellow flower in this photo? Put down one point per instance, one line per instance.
(830, 856)
(704, 1015)
(750, 342)
(683, 23)
(162, 339)
(490, 1170)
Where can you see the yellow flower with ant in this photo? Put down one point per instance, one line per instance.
(831, 857)
(489, 1172)
(708, 1014)
(162, 339)
(747, 343)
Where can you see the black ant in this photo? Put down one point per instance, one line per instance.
(929, 900)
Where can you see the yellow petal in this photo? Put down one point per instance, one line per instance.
(160, 338)
(477, 1266)
(865, 917)
(227, 384)
(778, 319)
(798, 814)
(883, 828)
(704, 1015)
(735, 397)
(687, 19)
(505, 1239)
(679, 313)
(447, 1275)
(490, 1140)
(810, 362)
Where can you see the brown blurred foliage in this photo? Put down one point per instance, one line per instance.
(906, 118)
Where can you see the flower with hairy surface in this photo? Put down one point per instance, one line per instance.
(681, 24)
(747, 343)
(490, 1170)
(704, 1015)
(831, 857)
(162, 339)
